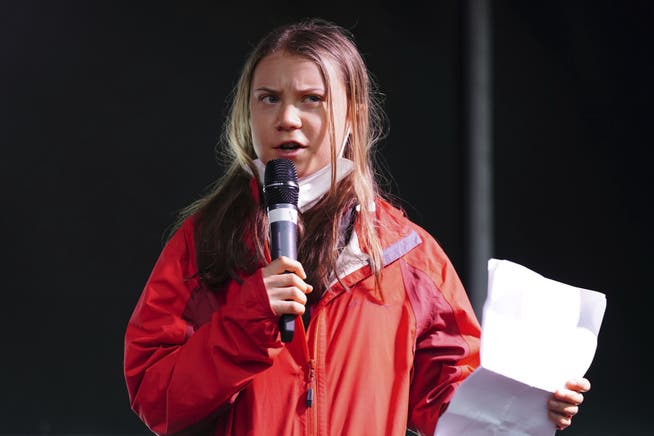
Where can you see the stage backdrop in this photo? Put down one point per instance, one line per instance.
(111, 112)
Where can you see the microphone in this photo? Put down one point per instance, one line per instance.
(281, 192)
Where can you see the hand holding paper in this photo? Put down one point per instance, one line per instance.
(536, 335)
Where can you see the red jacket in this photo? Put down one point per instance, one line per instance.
(373, 367)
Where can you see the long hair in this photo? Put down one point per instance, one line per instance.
(229, 210)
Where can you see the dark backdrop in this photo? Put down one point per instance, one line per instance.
(111, 111)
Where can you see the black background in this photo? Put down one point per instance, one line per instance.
(110, 115)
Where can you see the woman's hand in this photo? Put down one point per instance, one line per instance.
(564, 403)
(284, 282)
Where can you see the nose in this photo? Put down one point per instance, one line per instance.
(289, 118)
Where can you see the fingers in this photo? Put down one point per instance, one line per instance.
(289, 281)
(284, 264)
(562, 408)
(567, 396)
(287, 293)
(283, 307)
(561, 413)
(578, 385)
(560, 421)
(572, 393)
(565, 402)
(283, 280)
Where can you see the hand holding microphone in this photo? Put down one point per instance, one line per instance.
(285, 291)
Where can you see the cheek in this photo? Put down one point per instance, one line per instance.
(316, 125)
(256, 131)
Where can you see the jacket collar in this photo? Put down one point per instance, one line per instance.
(397, 238)
(353, 265)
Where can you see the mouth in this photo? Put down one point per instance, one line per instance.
(289, 146)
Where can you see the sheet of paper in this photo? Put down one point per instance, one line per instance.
(537, 333)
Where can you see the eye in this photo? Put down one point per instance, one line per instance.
(314, 98)
(268, 98)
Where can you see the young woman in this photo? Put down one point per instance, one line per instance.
(384, 329)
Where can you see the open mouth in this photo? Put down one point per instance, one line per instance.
(290, 146)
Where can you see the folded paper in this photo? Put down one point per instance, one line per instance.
(537, 334)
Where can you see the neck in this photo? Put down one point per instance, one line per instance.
(314, 186)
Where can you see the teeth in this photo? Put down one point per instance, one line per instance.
(289, 146)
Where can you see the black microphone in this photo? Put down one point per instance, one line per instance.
(281, 191)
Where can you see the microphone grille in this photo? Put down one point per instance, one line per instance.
(280, 182)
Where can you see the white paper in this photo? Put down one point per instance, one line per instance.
(537, 334)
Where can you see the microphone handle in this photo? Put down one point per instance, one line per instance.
(287, 327)
(283, 242)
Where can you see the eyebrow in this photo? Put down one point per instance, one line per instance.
(301, 91)
(263, 88)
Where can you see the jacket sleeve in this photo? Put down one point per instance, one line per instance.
(447, 338)
(177, 375)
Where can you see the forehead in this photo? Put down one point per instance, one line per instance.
(282, 68)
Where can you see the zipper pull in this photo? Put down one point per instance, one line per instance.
(310, 397)
(309, 401)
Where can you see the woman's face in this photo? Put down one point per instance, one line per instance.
(290, 111)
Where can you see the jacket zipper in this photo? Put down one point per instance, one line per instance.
(309, 400)
(312, 383)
